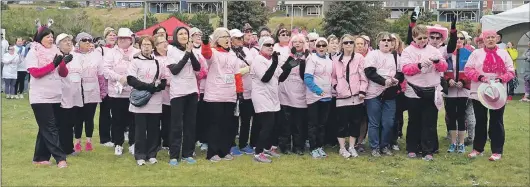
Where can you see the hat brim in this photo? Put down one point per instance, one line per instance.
(492, 105)
(442, 30)
(238, 35)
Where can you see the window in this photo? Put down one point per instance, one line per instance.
(172, 7)
(313, 11)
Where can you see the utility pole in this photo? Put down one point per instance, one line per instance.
(145, 14)
(225, 14)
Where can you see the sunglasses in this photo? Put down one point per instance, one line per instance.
(348, 43)
(387, 40)
(86, 40)
(312, 40)
(248, 31)
(435, 38)
(461, 38)
(421, 38)
(238, 38)
(268, 45)
(284, 35)
(321, 46)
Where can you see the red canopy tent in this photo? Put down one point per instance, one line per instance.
(170, 25)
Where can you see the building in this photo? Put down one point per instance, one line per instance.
(398, 8)
(304, 8)
(190, 6)
(129, 4)
(501, 6)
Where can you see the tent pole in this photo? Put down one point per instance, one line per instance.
(225, 14)
(145, 14)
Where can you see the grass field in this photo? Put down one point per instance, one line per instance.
(102, 168)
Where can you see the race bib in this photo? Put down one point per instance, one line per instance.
(90, 86)
(229, 78)
(74, 77)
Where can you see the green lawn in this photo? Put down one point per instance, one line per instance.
(101, 167)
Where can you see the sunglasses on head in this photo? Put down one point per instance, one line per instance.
(421, 38)
(387, 40)
(461, 38)
(323, 46)
(348, 43)
(268, 45)
(435, 38)
(86, 40)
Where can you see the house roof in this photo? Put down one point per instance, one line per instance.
(305, 2)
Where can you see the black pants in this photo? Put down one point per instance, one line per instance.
(276, 131)
(201, 130)
(47, 143)
(121, 118)
(349, 121)
(182, 127)
(318, 117)
(219, 131)
(496, 128)
(456, 112)
(86, 116)
(147, 135)
(331, 125)
(105, 120)
(246, 114)
(69, 118)
(267, 122)
(165, 120)
(421, 130)
(19, 84)
(401, 107)
(292, 127)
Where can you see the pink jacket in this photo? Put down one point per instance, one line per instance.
(71, 84)
(145, 70)
(46, 89)
(474, 69)
(357, 83)
(321, 69)
(386, 68)
(220, 81)
(185, 82)
(115, 65)
(264, 94)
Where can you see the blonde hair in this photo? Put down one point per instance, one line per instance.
(400, 45)
(420, 29)
(159, 37)
(382, 35)
(217, 34)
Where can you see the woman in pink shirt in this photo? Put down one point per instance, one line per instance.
(104, 107)
(115, 65)
(422, 64)
(46, 65)
(485, 64)
(292, 97)
(160, 51)
(223, 82)
(145, 74)
(183, 91)
(265, 73)
(351, 84)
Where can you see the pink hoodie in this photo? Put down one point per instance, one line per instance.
(357, 83)
(474, 69)
(264, 94)
(386, 68)
(115, 65)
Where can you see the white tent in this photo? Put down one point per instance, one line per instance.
(505, 19)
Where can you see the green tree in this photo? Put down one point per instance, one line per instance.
(138, 25)
(401, 26)
(241, 12)
(355, 17)
(202, 22)
(426, 18)
(467, 26)
(180, 16)
(71, 4)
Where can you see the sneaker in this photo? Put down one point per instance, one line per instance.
(248, 150)
(315, 154)
(272, 152)
(360, 148)
(215, 159)
(108, 144)
(204, 147)
(495, 157)
(509, 98)
(461, 148)
(234, 151)
(386, 151)
(165, 148)
(228, 157)
(77, 147)
(131, 149)
(21, 96)
(153, 160)
(524, 99)
(140, 162)
(126, 136)
(395, 147)
(411, 155)
(322, 153)
(452, 148)
(353, 152)
(118, 150)
(198, 144)
(474, 154)
(375, 153)
(42, 163)
(189, 160)
(173, 162)
(88, 146)
(344, 153)
(307, 145)
(428, 158)
(62, 164)
(468, 141)
(262, 158)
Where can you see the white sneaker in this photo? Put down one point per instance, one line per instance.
(140, 162)
(198, 144)
(395, 147)
(353, 152)
(108, 144)
(204, 147)
(153, 161)
(21, 96)
(126, 136)
(131, 149)
(118, 150)
(344, 153)
(8, 96)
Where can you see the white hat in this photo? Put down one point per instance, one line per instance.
(264, 40)
(125, 33)
(61, 37)
(492, 95)
(236, 33)
(321, 39)
(466, 35)
(312, 36)
(194, 30)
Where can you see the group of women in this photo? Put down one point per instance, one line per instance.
(277, 92)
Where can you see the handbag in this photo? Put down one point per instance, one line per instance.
(140, 98)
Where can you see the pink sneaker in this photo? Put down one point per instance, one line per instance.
(62, 164)
(42, 163)
(77, 147)
(474, 154)
(495, 157)
(88, 146)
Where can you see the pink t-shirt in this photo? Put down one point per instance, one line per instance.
(162, 60)
(92, 68)
(386, 67)
(116, 63)
(202, 61)
(284, 53)
(247, 79)
(321, 69)
(46, 89)
(145, 70)
(220, 83)
(264, 94)
(429, 77)
(293, 90)
(185, 82)
(71, 84)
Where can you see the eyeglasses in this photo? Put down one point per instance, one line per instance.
(461, 38)
(248, 31)
(435, 38)
(86, 40)
(348, 43)
(421, 38)
(321, 46)
(283, 35)
(268, 45)
(312, 40)
(164, 42)
(387, 40)
(238, 38)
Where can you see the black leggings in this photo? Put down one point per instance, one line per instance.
(47, 143)
(318, 116)
(293, 126)
(456, 112)
(421, 131)
(165, 124)
(349, 120)
(87, 116)
(121, 118)
(182, 127)
(201, 131)
(19, 84)
(332, 124)
(267, 122)
(69, 118)
(147, 131)
(220, 136)
(496, 128)
(105, 120)
(401, 107)
(246, 108)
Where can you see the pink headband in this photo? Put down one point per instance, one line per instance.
(487, 33)
(41, 28)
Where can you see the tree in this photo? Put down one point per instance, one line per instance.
(74, 24)
(180, 16)
(241, 12)
(468, 27)
(401, 26)
(138, 25)
(355, 17)
(71, 4)
(202, 22)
